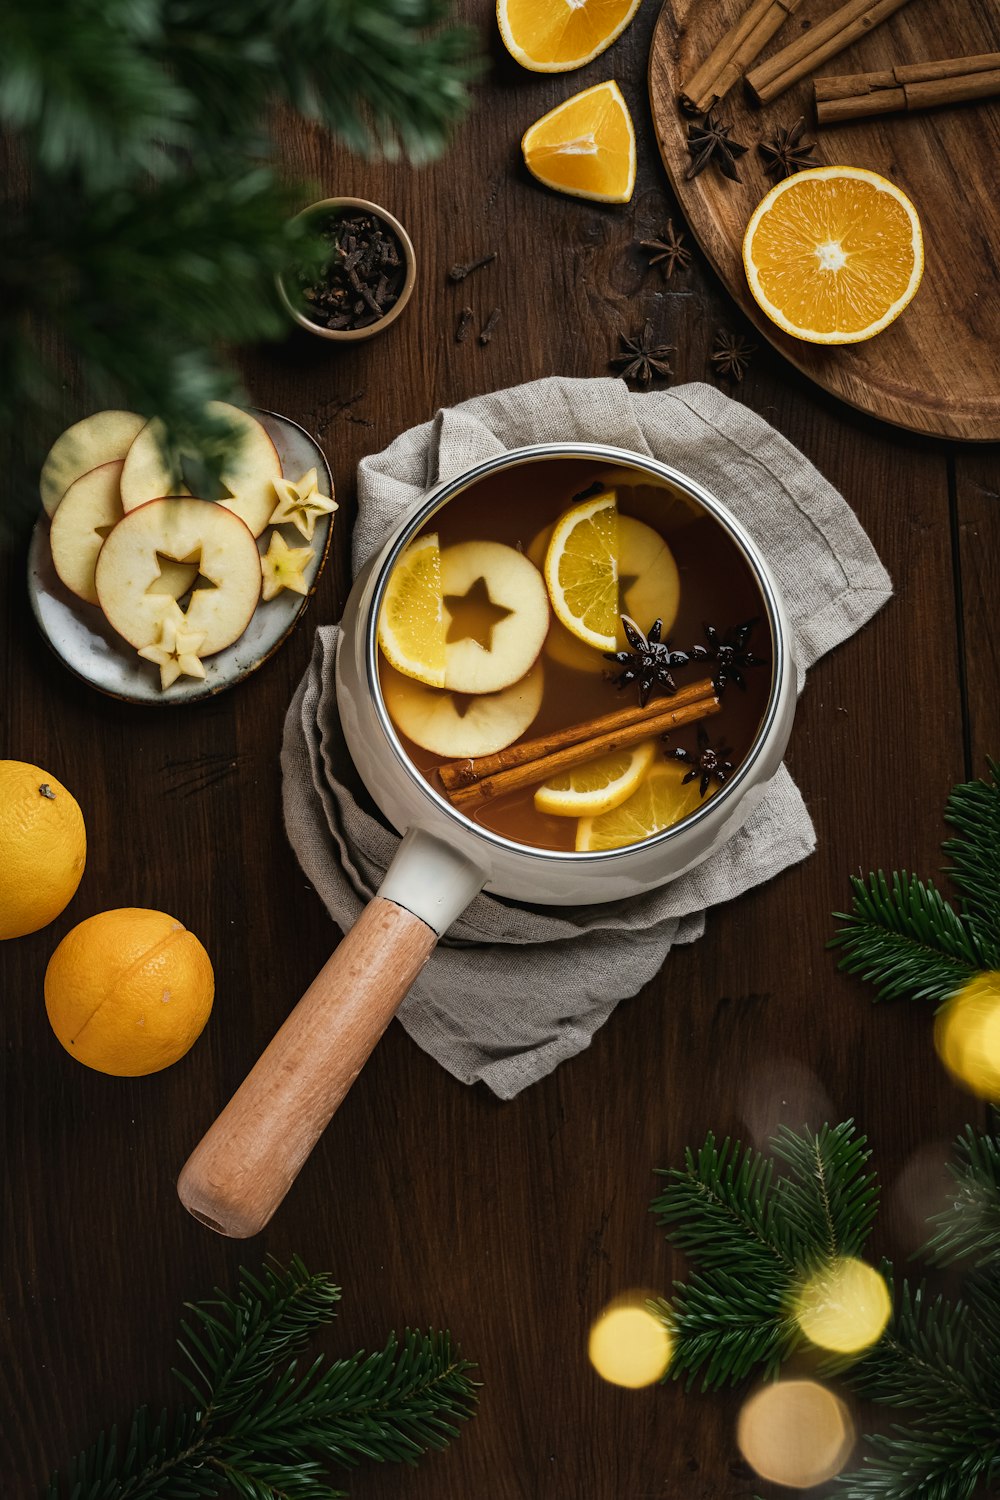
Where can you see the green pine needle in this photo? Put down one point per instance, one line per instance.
(969, 1228)
(260, 1429)
(904, 937)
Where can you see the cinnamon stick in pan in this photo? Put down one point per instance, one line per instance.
(951, 80)
(589, 749)
(462, 773)
(851, 21)
(741, 46)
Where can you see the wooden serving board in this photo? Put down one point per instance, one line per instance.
(937, 368)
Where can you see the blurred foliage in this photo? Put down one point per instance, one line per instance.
(148, 222)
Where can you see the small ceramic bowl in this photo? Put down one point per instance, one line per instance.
(355, 335)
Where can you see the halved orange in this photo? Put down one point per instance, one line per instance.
(586, 146)
(834, 254)
(554, 36)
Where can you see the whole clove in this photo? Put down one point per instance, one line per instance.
(464, 325)
(489, 326)
(459, 273)
(364, 273)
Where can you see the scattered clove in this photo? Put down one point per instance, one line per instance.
(459, 273)
(489, 325)
(464, 324)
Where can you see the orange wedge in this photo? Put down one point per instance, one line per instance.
(585, 147)
(553, 36)
(834, 254)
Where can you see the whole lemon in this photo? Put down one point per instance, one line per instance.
(128, 991)
(43, 848)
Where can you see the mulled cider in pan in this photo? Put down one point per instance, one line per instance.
(576, 655)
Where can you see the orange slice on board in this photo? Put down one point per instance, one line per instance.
(834, 254)
(585, 147)
(554, 36)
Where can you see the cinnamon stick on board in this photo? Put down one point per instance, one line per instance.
(462, 773)
(729, 60)
(853, 20)
(951, 80)
(575, 755)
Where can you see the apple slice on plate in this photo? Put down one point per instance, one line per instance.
(88, 511)
(247, 478)
(195, 533)
(99, 439)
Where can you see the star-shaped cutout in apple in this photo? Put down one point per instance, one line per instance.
(176, 652)
(473, 615)
(300, 504)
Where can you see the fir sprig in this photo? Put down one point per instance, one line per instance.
(152, 222)
(753, 1233)
(904, 937)
(260, 1428)
(755, 1237)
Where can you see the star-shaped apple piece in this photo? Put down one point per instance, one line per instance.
(283, 567)
(176, 652)
(300, 504)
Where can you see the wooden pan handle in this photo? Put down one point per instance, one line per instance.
(242, 1168)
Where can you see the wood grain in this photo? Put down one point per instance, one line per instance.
(432, 1203)
(243, 1166)
(937, 368)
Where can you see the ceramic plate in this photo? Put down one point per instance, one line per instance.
(80, 635)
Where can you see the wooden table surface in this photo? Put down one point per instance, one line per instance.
(434, 1204)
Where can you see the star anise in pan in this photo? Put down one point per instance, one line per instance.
(709, 761)
(648, 661)
(730, 654)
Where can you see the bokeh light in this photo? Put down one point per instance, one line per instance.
(844, 1306)
(796, 1433)
(967, 1036)
(629, 1345)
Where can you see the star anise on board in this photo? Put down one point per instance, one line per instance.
(786, 152)
(648, 661)
(668, 252)
(730, 654)
(731, 354)
(641, 359)
(709, 762)
(712, 141)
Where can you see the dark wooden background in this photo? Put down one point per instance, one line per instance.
(433, 1204)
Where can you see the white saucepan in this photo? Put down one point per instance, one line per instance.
(243, 1167)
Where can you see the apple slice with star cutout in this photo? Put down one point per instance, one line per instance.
(454, 725)
(497, 613)
(88, 511)
(99, 439)
(196, 533)
(247, 480)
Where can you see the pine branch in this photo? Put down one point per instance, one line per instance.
(916, 1464)
(906, 939)
(234, 1343)
(970, 1226)
(827, 1200)
(974, 809)
(262, 1435)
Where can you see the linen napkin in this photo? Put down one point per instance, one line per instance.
(514, 990)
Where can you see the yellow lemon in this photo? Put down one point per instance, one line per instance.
(411, 624)
(660, 801)
(598, 786)
(128, 992)
(585, 146)
(553, 36)
(43, 848)
(834, 254)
